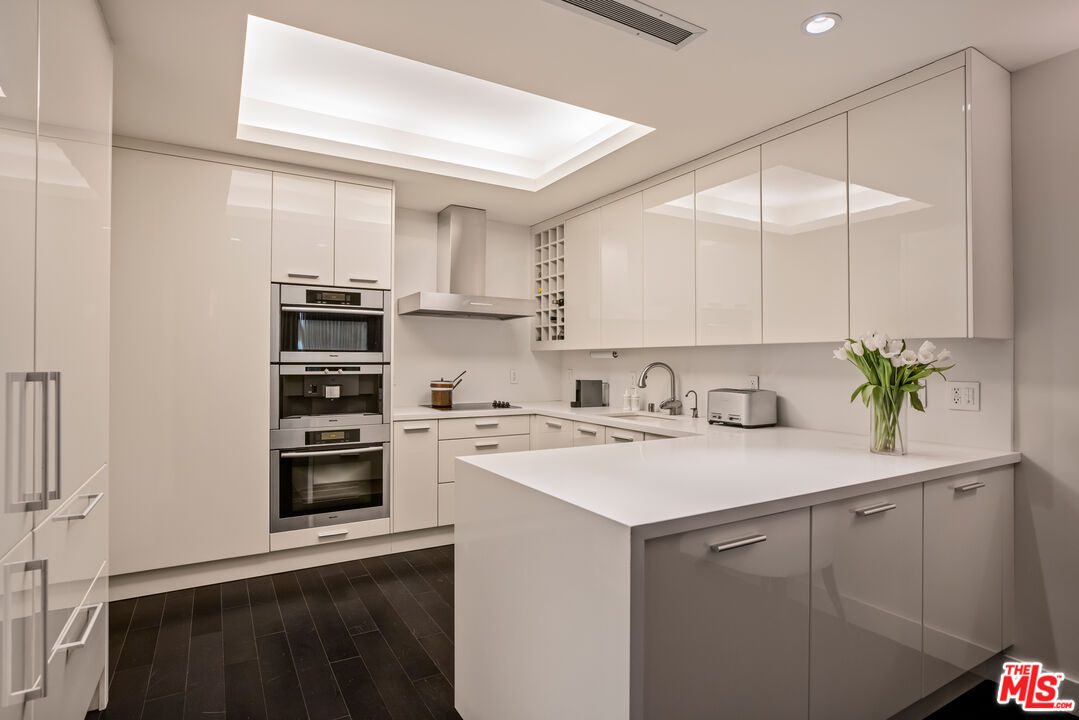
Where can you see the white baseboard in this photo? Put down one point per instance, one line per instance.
(151, 582)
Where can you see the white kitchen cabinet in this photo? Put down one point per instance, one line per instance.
(584, 297)
(728, 236)
(450, 450)
(447, 492)
(804, 255)
(189, 443)
(587, 434)
(22, 617)
(480, 427)
(550, 432)
(363, 236)
(19, 59)
(614, 436)
(621, 273)
(866, 620)
(415, 475)
(308, 537)
(966, 547)
(668, 258)
(726, 620)
(908, 211)
(303, 228)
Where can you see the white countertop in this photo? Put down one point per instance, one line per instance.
(709, 469)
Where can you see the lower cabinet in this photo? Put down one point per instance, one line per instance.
(414, 488)
(587, 434)
(866, 625)
(450, 450)
(550, 432)
(726, 621)
(446, 493)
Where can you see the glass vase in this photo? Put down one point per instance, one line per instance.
(888, 422)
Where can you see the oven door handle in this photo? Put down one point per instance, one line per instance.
(329, 309)
(323, 453)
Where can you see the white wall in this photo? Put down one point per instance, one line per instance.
(1045, 156)
(427, 348)
(814, 388)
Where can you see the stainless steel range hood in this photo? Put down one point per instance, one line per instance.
(462, 274)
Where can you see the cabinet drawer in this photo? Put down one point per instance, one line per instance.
(75, 541)
(587, 434)
(450, 450)
(446, 494)
(329, 534)
(456, 428)
(614, 435)
(550, 432)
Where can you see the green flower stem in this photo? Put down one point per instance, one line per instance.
(885, 412)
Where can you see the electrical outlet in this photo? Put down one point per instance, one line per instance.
(965, 396)
(513, 377)
(754, 382)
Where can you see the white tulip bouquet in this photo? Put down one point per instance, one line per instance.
(892, 372)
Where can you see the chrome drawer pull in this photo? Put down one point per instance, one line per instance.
(324, 453)
(557, 426)
(85, 637)
(969, 486)
(94, 498)
(737, 543)
(332, 533)
(415, 428)
(305, 276)
(40, 688)
(621, 438)
(587, 431)
(363, 280)
(481, 445)
(874, 509)
(329, 309)
(490, 423)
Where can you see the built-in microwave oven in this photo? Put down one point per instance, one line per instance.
(318, 396)
(328, 477)
(313, 324)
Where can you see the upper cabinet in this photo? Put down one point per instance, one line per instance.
(19, 60)
(804, 213)
(76, 62)
(363, 228)
(583, 314)
(668, 256)
(621, 241)
(728, 265)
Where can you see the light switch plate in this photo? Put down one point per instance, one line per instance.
(965, 395)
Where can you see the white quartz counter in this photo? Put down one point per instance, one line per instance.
(706, 469)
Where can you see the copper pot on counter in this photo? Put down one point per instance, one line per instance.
(442, 391)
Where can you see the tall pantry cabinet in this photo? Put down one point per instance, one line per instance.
(55, 174)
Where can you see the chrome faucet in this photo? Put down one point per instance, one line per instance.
(672, 404)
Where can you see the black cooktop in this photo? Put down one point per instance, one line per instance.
(496, 405)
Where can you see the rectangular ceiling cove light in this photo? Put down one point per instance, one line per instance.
(311, 92)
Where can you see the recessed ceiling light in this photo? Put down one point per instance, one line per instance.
(821, 23)
(312, 92)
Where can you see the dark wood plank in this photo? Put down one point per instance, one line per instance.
(405, 646)
(234, 594)
(291, 603)
(421, 562)
(127, 693)
(265, 614)
(320, 693)
(437, 694)
(359, 691)
(353, 568)
(120, 613)
(169, 707)
(436, 607)
(281, 686)
(244, 698)
(352, 610)
(394, 685)
(168, 673)
(238, 634)
(206, 617)
(147, 612)
(407, 574)
(331, 628)
(139, 648)
(403, 601)
(205, 693)
(440, 650)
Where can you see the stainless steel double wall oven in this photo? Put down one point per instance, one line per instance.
(329, 406)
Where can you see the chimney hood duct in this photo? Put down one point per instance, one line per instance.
(462, 274)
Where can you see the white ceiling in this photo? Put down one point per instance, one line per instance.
(179, 66)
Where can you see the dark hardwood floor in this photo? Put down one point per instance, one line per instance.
(365, 640)
(980, 703)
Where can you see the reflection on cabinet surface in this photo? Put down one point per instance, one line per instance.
(804, 255)
(363, 225)
(303, 227)
(866, 652)
(726, 620)
(621, 273)
(415, 476)
(584, 299)
(728, 226)
(668, 264)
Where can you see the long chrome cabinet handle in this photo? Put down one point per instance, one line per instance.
(329, 309)
(363, 280)
(969, 486)
(323, 453)
(85, 637)
(738, 542)
(304, 276)
(621, 438)
(21, 500)
(557, 426)
(332, 533)
(587, 431)
(40, 688)
(482, 445)
(415, 428)
(486, 424)
(874, 509)
(94, 499)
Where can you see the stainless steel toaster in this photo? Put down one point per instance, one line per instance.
(742, 408)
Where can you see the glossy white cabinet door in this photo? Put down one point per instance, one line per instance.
(18, 58)
(17, 290)
(804, 211)
(447, 494)
(22, 617)
(303, 226)
(668, 259)
(415, 475)
(550, 432)
(966, 519)
(584, 297)
(363, 236)
(866, 653)
(74, 186)
(190, 455)
(908, 212)
(726, 631)
(621, 226)
(588, 434)
(728, 226)
(76, 72)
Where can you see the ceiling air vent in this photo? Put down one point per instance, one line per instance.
(636, 17)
